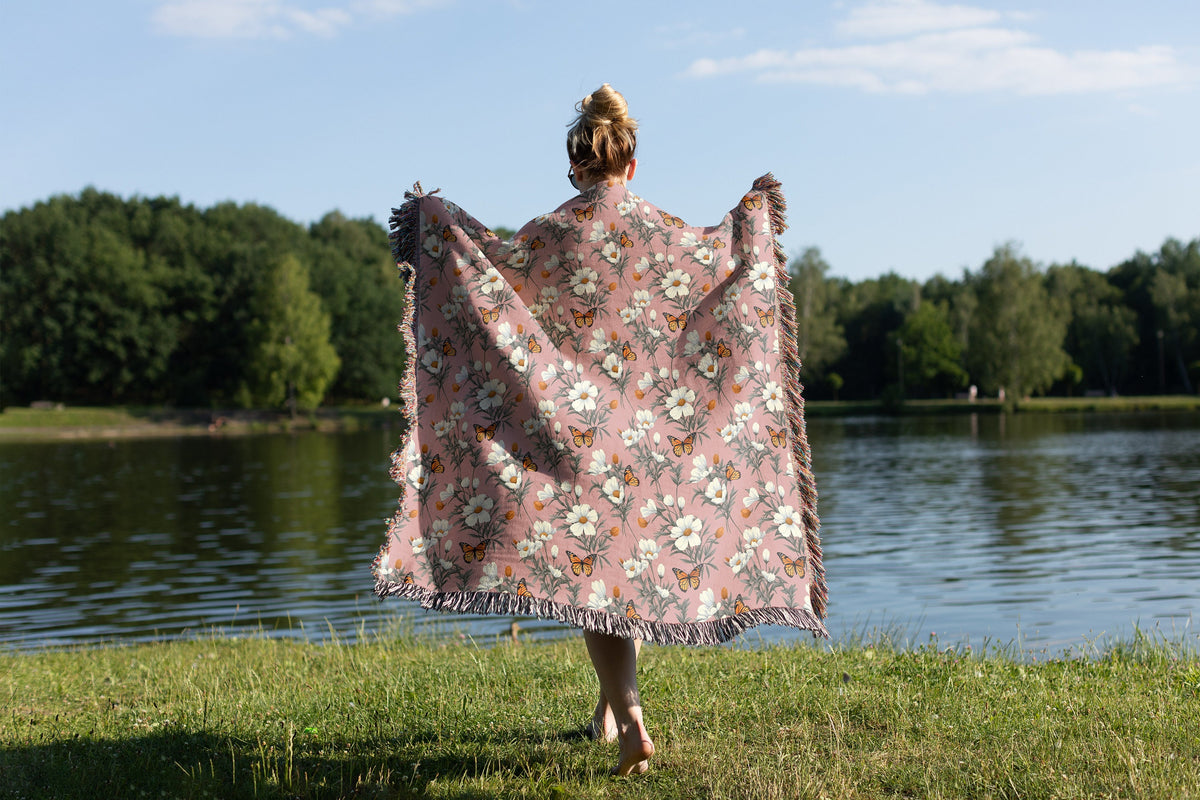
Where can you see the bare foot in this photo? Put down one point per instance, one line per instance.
(636, 749)
(602, 727)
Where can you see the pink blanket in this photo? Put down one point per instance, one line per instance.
(605, 424)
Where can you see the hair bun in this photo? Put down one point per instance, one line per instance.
(603, 138)
(605, 106)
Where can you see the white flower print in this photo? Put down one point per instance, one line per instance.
(788, 522)
(663, 591)
(614, 490)
(715, 492)
(527, 547)
(646, 381)
(738, 561)
(641, 298)
(419, 545)
(691, 344)
(582, 519)
(532, 425)
(709, 607)
(432, 361)
(763, 275)
(679, 403)
(433, 245)
(583, 396)
(491, 394)
(767, 576)
(753, 537)
(547, 408)
(675, 284)
(490, 281)
(613, 365)
(504, 335)
(583, 281)
(543, 530)
(633, 567)
(708, 366)
(688, 239)
(599, 598)
(624, 207)
(599, 464)
(631, 436)
(729, 432)
(477, 510)
(519, 359)
(628, 315)
(612, 252)
(497, 454)
(686, 532)
(644, 419)
(773, 395)
(648, 549)
(704, 255)
(518, 259)
(700, 469)
(545, 495)
(512, 476)
(439, 528)
(416, 477)
(489, 580)
(742, 412)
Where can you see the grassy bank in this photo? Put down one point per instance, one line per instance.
(270, 718)
(85, 422)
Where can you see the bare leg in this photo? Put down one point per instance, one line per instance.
(615, 662)
(603, 726)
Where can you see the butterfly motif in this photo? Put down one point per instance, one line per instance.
(583, 438)
(752, 203)
(584, 213)
(732, 472)
(723, 349)
(448, 235)
(436, 465)
(739, 606)
(582, 566)
(490, 314)
(625, 240)
(793, 567)
(534, 347)
(681, 446)
(718, 244)
(778, 437)
(537, 243)
(482, 433)
(630, 611)
(628, 353)
(522, 589)
(448, 348)
(630, 478)
(676, 323)
(669, 220)
(767, 317)
(408, 579)
(687, 579)
(528, 463)
(475, 553)
(582, 318)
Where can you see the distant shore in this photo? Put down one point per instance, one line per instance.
(56, 422)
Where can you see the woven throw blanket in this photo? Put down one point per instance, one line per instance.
(605, 424)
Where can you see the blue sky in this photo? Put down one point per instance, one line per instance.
(910, 135)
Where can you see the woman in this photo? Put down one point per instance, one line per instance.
(606, 425)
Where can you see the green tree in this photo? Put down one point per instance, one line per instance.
(1017, 333)
(819, 339)
(870, 313)
(931, 353)
(291, 360)
(1102, 331)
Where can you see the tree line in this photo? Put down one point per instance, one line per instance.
(1009, 325)
(105, 300)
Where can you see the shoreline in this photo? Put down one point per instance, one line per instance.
(82, 423)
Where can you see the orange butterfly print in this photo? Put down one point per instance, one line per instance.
(537, 243)
(732, 472)
(723, 349)
(630, 478)
(687, 579)
(625, 240)
(582, 566)
(448, 348)
(718, 244)
(528, 463)
(681, 446)
(584, 318)
(522, 589)
(669, 220)
(739, 606)
(628, 353)
(436, 465)
(676, 323)
(534, 347)
(475, 553)
(778, 437)
(752, 203)
(448, 234)
(408, 579)
(583, 438)
(631, 612)
(490, 314)
(765, 318)
(482, 433)
(584, 213)
(793, 567)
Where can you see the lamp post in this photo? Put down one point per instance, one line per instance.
(1162, 372)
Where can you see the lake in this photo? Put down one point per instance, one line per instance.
(1051, 531)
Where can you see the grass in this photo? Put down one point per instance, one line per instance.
(264, 717)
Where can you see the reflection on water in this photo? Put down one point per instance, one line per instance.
(1062, 527)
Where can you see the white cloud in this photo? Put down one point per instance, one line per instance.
(269, 19)
(932, 48)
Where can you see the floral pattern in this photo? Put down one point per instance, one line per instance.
(601, 425)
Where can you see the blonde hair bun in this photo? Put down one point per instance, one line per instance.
(603, 138)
